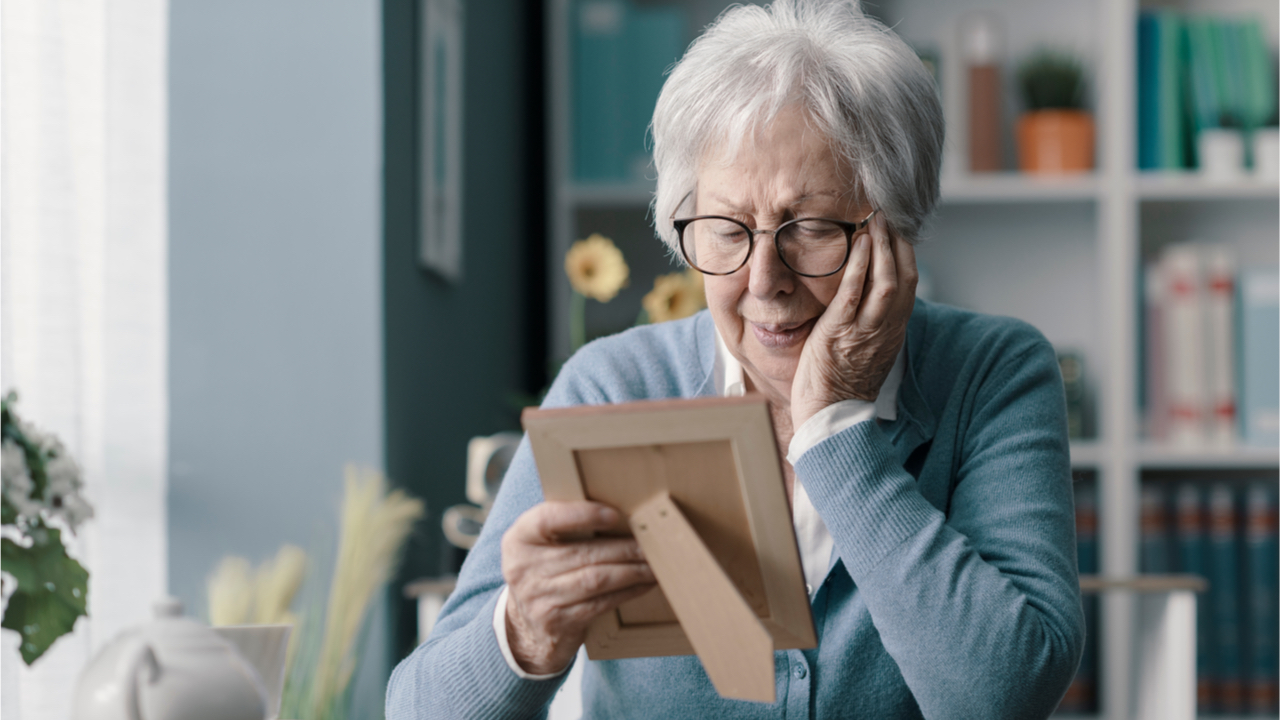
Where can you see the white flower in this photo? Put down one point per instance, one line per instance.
(63, 474)
(73, 510)
(16, 479)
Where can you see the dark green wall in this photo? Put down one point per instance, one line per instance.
(457, 353)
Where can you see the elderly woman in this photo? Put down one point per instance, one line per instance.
(797, 150)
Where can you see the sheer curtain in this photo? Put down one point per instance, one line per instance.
(83, 323)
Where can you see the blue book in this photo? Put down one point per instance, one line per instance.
(1263, 595)
(1259, 356)
(1170, 108)
(1148, 107)
(1193, 558)
(1224, 594)
(1154, 536)
(654, 42)
(597, 91)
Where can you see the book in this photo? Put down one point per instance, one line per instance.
(1201, 85)
(1192, 554)
(1224, 595)
(1263, 626)
(597, 90)
(1154, 394)
(1154, 534)
(1182, 330)
(654, 42)
(1220, 346)
(1259, 330)
(621, 51)
(1169, 78)
(1148, 93)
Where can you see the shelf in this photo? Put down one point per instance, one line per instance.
(1192, 186)
(1161, 457)
(1007, 187)
(612, 194)
(1085, 454)
(1016, 187)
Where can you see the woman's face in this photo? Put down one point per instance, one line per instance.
(764, 311)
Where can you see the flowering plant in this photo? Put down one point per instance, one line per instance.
(44, 589)
(674, 296)
(596, 270)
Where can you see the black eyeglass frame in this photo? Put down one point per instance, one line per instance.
(851, 230)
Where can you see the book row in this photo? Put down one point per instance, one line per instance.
(1211, 347)
(1198, 72)
(1225, 532)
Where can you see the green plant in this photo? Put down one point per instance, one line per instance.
(1052, 80)
(46, 589)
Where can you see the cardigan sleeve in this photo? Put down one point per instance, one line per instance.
(978, 606)
(460, 672)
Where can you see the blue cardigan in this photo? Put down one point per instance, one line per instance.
(953, 589)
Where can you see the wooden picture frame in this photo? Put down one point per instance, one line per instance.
(699, 483)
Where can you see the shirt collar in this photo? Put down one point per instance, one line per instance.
(730, 381)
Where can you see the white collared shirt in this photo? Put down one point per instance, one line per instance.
(812, 536)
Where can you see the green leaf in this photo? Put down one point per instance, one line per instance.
(51, 594)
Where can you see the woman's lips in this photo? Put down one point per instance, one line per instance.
(782, 335)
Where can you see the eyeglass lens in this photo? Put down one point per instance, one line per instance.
(808, 246)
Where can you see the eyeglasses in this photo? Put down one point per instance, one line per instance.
(812, 247)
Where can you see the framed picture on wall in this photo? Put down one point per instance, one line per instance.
(440, 168)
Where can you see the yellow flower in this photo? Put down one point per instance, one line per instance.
(595, 268)
(675, 296)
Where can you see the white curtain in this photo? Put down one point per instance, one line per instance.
(83, 322)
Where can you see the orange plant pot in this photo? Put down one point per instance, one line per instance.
(1055, 141)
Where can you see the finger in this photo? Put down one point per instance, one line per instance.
(554, 522)
(883, 288)
(589, 609)
(849, 293)
(595, 580)
(561, 559)
(908, 273)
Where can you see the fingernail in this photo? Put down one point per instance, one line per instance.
(608, 516)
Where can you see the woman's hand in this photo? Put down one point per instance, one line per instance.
(560, 577)
(856, 340)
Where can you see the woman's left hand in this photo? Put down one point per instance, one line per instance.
(854, 343)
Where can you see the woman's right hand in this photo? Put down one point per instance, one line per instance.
(560, 576)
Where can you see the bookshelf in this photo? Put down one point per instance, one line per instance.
(1063, 253)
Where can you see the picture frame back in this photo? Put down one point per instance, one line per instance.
(717, 460)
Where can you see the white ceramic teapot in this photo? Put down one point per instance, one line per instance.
(171, 668)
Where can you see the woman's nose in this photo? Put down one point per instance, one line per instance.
(769, 276)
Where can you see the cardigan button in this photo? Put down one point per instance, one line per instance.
(801, 672)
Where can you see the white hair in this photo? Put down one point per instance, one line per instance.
(861, 85)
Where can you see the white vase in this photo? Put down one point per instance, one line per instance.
(1221, 153)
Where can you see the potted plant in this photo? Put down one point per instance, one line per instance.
(1055, 134)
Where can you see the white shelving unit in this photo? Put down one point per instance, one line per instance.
(1062, 253)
